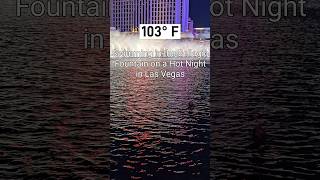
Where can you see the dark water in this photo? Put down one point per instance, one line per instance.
(154, 132)
(53, 98)
(54, 116)
(271, 83)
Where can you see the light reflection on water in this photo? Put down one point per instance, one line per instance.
(155, 132)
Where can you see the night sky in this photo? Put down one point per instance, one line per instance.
(200, 12)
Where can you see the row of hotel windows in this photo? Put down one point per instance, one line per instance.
(142, 20)
(133, 10)
(172, 8)
(157, 4)
(153, 14)
(123, 22)
(165, 4)
(153, 2)
(126, 18)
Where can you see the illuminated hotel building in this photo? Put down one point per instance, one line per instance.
(126, 15)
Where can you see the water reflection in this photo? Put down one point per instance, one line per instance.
(154, 132)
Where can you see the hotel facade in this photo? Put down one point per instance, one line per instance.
(126, 15)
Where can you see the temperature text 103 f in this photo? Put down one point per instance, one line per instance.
(160, 31)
